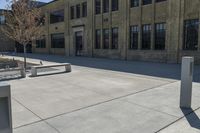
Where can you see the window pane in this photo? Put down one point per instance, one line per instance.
(115, 5)
(78, 11)
(57, 16)
(106, 39)
(72, 12)
(98, 39)
(134, 32)
(41, 43)
(191, 29)
(160, 0)
(134, 3)
(105, 6)
(160, 32)
(114, 38)
(98, 6)
(146, 37)
(145, 2)
(57, 40)
(84, 9)
(2, 19)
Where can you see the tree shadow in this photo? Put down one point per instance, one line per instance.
(191, 117)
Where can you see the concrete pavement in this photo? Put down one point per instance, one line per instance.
(103, 97)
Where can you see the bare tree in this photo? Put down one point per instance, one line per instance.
(23, 22)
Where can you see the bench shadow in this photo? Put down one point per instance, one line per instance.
(48, 74)
(191, 117)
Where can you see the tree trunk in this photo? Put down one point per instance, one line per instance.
(25, 57)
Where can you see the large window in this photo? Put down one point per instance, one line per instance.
(97, 6)
(191, 29)
(106, 39)
(41, 43)
(115, 5)
(72, 13)
(146, 37)
(98, 39)
(134, 3)
(146, 2)
(78, 11)
(134, 32)
(114, 38)
(105, 6)
(160, 32)
(84, 9)
(57, 16)
(58, 40)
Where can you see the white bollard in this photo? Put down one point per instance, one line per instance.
(5, 109)
(186, 82)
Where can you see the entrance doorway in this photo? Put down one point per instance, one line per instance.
(79, 43)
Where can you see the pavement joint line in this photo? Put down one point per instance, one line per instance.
(93, 105)
(177, 120)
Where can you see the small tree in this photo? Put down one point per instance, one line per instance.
(23, 22)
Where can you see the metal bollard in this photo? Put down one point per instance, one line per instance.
(5, 109)
(186, 82)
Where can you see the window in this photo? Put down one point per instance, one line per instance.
(191, 29)
(72, 12)
(106, 39)
(78, 11)
(41, 43)
(160, 0)
(115, 5)
(2, 19)
(160, 30)
(105, 6)
(57, 40)
(98, 39)
(97, 6)
(84, 9)
(146, 37)
(57, 16)
(134, 3)
(134, 34)
(114, 38)
(146, 2)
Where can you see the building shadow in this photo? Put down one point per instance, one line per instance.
(191, 117)
(162, 70)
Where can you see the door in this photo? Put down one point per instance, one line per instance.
(79, 43)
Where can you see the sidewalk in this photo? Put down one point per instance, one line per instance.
(101, 96)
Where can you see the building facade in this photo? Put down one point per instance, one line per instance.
(146, 30)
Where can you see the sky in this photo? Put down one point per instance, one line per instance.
(3, 3)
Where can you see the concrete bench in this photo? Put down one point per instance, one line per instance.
(21, 70)
(35, 68)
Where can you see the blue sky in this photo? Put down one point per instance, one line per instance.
(3, 3)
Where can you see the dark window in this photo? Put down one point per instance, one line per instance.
(98, 39)
(160, 0)
(191, 29)
(146, 37)
(84, 9)
(115, 5)
(160, 32)
(41, 43)
(2, 19)
(78, 11)
(97, 6)
(106, 39)
(146, 2)
(134, 3)
(72, 13)
(114, 38)
(57, 41)
(134, 34)
(105, 6)
(57, 16)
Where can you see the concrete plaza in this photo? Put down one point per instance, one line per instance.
(104, 96)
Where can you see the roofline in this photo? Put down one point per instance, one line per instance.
(48, 3)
